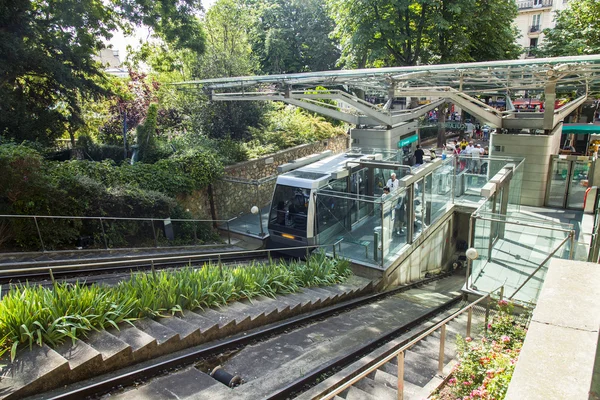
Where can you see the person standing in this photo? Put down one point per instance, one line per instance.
(419, 153)
(393, 183)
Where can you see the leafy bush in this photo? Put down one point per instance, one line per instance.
(34, 315)
(96, 152)
(289, 126)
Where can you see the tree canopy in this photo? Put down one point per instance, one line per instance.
(406, 32)
(292, 35)
(47, 51)
(577, 30)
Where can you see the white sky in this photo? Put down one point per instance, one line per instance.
(120, 42)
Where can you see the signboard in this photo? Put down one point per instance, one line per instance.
(408, 140)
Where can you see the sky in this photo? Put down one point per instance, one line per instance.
(120, 42)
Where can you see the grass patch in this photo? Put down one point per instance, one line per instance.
(30, 314)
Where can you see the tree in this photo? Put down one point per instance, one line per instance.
(577, 30)
(292, 36)
(377, 33)
(47, 51)
(228, 53)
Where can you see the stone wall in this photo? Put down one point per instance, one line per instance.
(251, 183)
(267, 166)
(198, 203)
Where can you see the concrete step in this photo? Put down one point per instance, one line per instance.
(164, 336)
(355, 393)
(189, 334)
(206, 326)
(327, 297)
(83, 359)
(33, 371)
(391, 381)
(114, 351)
(420, 368)
(267, 306)
(178, 385)
(241, 313)
(227, 325)
(430, 347)
(379, 390)
(143, 345)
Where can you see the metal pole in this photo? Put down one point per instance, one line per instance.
(401, 375)
(39, 233)
(469, 319)
(487, 311)
(262, 232)
(502, 293)
(103, 234)
(334, 255)
(382, 233)
(471, 241)
(572, 249)
(442, 345)
(228, 233)
(154, 233)
(376, 240)
(454, 169)
(539, 267)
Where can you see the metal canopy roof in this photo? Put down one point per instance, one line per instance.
(569, 73)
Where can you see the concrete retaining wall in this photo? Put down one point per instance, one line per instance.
(537, 151)
(430, 253)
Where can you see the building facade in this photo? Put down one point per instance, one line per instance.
(535, 16)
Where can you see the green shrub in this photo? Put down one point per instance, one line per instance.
(34, 315)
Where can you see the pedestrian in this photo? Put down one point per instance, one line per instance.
(393, 183)
(419, 153)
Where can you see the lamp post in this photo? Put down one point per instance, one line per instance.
(255, 210)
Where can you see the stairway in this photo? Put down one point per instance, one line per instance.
(420, 365)
(42, 368)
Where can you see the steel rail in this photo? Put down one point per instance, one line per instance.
(183, 258)
(107, 384)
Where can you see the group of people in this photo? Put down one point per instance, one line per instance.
(469, 154)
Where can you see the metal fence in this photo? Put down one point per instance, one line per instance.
(53, 233)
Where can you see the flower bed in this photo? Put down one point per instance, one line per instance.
(31, 314)
(485, 366)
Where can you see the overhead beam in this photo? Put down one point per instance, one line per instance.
(328, 112)
(564, 111)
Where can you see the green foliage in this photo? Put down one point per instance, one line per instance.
(32, 186)
(379, 33)
(289, 126)
(96, 152)
(47, 49)
(577, 30)
(146, 135)
(292, 36)
(34, 315)
(486, 366)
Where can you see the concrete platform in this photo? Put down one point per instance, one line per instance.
(562, 337)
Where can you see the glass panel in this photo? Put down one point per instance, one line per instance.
(418, 207)
(395, 224)
(334, 223)
(578, 184)
(558, 180)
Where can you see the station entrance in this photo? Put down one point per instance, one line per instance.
(569, 178)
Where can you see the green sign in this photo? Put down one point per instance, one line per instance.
(408, 140)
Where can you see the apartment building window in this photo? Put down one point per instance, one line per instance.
(533, 42)
(537, 3)
(536, 23)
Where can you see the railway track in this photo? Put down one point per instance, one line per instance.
(95, 270)
(347, 331)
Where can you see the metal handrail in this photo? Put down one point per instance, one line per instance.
(170, 258)
(113, 218)
(400, 352)
(102, 219)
